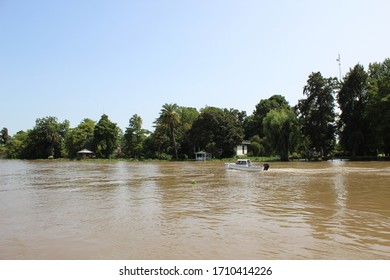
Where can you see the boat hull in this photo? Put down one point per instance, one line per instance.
(233, 166)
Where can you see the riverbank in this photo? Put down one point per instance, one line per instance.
(253, 159)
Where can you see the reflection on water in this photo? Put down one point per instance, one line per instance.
(193, 210)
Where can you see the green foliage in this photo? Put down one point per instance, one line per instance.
(4, 137)
(170, 118)
(187, 116)
(157, 144)
(378, 107)
(217, 131)
(253, 125)
(46, 139)
(273, 128)
(317, 114)
(173, 123)
(106, 135)
(134, 138)
(256, 147)
(16, 146)
(280, 127)
(352, 100)
(81, 137)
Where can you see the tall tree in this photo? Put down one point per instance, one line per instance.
(158, 143)
(134, 138)
(352, 100)
(46, 138)
(378, 107)
(253, 124)
(4, 137)
(217, 131)
(280, 126)
(187, 116)
(106, 135)
(16, 146)
(169, 116)
(317, 114)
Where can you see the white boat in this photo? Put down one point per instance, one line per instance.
(246, 165)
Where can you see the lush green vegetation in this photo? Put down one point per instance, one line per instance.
(311, 128)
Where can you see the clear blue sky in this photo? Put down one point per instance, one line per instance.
(78, 59)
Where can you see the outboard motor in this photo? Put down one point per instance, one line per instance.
(265, 166)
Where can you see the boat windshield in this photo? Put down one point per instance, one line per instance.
(243, 162)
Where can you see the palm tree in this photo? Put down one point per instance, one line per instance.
(170, 117)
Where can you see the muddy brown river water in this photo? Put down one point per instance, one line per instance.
(193, 210)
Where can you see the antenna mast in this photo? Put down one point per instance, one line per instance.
(339, 60)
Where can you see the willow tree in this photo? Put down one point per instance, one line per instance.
(253, 125)
(280, 127)
(169, 116)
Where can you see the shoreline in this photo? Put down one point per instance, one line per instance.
(253, 159)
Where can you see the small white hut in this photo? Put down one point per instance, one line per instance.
(202, 156)
(84, 153)
(242, 149)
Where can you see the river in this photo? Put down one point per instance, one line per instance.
(193, 210)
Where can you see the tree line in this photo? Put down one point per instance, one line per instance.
(311, 128)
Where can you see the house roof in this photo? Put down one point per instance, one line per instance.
(85, 151)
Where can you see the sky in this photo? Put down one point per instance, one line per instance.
(77, 59)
